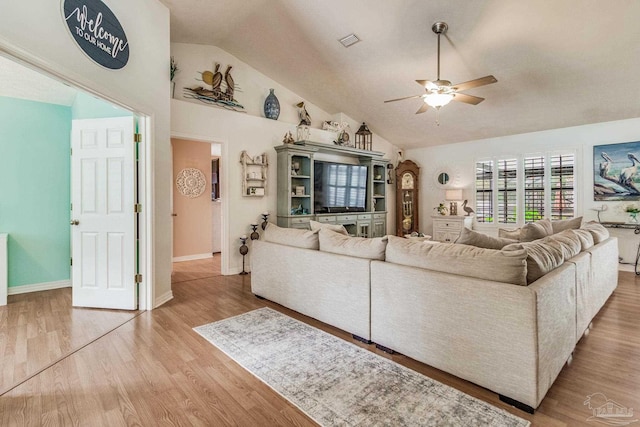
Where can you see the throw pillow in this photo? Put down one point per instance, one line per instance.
(295, 237)
(597, 230)
(480, 240)
(586, 239)
(510, 234)
(338, 228)
(536, 230)
(463, 260)
(566, 224)
(359, 247)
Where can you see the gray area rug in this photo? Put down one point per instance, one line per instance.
(337, 383)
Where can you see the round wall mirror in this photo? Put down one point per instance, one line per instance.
(443, 178)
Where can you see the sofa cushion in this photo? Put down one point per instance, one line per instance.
(586, 239)
(513, 234)
(464, 260)
(338, 228)
(295, 237)
(566, 224)
(547, 254)
(598, 232)
(480, 240)
(359, 247)
(536, 230)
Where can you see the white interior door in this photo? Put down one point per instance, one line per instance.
(102, 217)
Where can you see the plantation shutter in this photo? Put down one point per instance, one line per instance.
(507, 190)
(562, 186)
(484, 191)
(533, 188)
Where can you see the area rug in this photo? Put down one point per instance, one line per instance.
(337, 383)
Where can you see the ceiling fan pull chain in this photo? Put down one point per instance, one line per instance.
(437, 116)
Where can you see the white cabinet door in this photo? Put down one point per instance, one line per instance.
(103, 220)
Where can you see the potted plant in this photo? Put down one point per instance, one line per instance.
(442, 209)
(633, 212)
(173, 68)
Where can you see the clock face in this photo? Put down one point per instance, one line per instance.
(407, 181)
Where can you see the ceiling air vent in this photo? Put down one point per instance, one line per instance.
(349, 40)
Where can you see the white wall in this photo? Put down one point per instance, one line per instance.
(248, 131)
(35, 31)
(459, 161)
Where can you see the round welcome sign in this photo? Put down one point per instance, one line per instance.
(97, 31)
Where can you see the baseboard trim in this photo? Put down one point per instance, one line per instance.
(192, 257)
(37, 287)
(167, 296)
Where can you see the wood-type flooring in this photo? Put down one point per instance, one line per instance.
(155, 370)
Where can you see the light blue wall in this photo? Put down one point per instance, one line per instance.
(89, 107)
(34, 189)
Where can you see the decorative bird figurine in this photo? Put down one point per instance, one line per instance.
(466, 208)
(216, 80)
(627, 174)
(305, 118)
(230, 84)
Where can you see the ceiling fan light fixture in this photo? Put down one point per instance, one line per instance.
(437, 100)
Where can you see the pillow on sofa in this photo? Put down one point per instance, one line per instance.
(480, 240)
(359, 247)
(536, 230)
(566, 224)
(597, 230)
(469, 261)
(586, 239)
(295, 237)
(510, 234)
(338, 228)
(547, 254)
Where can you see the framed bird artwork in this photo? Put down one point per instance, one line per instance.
(615, 172)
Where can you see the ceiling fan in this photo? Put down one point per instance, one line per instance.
(439, 93)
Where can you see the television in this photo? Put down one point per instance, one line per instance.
(339, 187)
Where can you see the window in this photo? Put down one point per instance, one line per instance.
(513, 190)
(507, 187)
(484, 191)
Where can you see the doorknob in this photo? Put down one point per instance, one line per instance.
(174, 214)
(75, 222)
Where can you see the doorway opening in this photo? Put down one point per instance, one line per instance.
(197, 202)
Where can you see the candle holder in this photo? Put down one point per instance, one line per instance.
(243, 251)
(254, 234)
(265, 218)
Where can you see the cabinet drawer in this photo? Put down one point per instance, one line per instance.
(364, 216)
(450, 226)
(326, 219)
(380, 216)
(342, 218)
(299, 220)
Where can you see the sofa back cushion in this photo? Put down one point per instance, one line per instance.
(566, 224)
(359, 247)
(586, 239)
(598, 232)
(547, 254)
(529, 232)
(338, 228)
(481, 240)
(463, 260)
(295, 237)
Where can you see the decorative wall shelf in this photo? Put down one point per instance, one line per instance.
(254, 174)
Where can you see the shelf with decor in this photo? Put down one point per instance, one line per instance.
(254, 174)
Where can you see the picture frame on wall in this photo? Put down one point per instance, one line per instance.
(616, 172)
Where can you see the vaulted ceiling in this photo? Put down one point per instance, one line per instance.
(558, 63)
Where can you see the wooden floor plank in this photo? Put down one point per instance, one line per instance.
(155, 370)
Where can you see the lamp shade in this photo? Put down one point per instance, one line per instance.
(452, 195)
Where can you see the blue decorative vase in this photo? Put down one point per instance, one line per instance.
(271, 106)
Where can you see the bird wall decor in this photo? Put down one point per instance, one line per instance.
(222, 89)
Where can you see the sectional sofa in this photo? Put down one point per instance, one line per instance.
(505, 319)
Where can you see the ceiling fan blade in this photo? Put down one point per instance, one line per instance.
(467, 99)
(406, 97)
(486, 80)
(426, 83)
(422, 109)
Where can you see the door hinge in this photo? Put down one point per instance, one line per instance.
(71, 261)
(138, 278)
(137, 208)
(137, 137)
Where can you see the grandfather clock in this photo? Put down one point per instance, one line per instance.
(407, 190)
